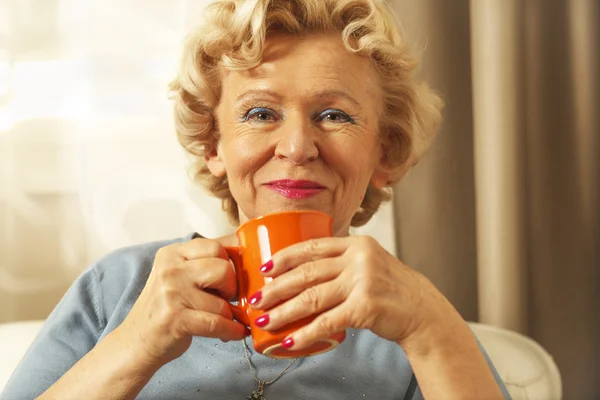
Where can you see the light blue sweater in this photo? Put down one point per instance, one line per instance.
(364, 366)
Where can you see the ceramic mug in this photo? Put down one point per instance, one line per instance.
(259, 240)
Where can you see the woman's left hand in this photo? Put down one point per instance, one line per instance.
(349, 282)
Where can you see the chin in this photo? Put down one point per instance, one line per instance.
(297, 206)
(287, 206)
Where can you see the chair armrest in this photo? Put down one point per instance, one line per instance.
(15, 339)
(527, 370)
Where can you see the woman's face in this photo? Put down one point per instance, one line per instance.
(300, 130)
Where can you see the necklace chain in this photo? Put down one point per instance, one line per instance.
(262, 384)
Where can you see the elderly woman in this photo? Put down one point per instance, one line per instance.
(272, 94)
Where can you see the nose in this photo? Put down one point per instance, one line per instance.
(296, 142)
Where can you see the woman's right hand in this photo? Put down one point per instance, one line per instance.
(185, 295)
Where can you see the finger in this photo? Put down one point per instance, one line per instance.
(300, 253)
(199, 248)
(294, 281)
(325, 325)
(312, 301)
(199, 323)
(213, 273)
(200, 300)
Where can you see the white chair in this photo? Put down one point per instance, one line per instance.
(527, 370)
(15, 338)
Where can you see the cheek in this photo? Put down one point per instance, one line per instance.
(243, 157)
(354, 159)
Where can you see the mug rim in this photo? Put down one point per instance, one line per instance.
(262, 217)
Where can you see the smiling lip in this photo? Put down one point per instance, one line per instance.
(295, 189)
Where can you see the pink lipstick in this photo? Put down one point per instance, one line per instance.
(296, 189)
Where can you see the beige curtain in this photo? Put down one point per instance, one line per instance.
(503, 214)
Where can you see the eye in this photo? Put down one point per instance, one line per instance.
(260, 114)
(334, 116)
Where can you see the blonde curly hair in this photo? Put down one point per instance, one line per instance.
(233, 36)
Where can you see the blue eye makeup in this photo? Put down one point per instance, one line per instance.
(263, 114)
(334, 116)
(259, 114)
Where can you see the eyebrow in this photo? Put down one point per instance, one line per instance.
(319, 95)
(256, 92)
(338, 93)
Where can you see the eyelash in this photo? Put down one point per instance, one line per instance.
(333, 111)
(318, 118)
(255, 111)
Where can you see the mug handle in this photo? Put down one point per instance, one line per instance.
(240, 312)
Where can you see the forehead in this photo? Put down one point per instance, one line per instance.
(307, 64)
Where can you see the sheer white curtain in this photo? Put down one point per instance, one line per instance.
(89, 161)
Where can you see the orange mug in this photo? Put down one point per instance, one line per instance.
(259, 239)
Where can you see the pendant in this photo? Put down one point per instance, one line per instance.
(258, 394)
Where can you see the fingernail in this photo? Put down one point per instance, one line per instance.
(262, 321)
(287, 343)
(247, 331)
(267, 267)
(256, 297)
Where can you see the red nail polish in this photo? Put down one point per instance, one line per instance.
(287, 343)
(247, 331)
(256, 297)
(262, 321)
(267, 267)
